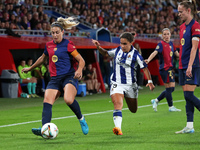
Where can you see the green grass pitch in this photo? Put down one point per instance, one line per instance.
(144, 130)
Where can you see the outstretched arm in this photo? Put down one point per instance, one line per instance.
(151, 57)
(38, 62)
(100, 49)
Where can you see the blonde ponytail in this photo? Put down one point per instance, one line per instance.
(66, 23)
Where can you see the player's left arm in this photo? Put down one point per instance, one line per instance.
(195, 42)
(150, 83)
(143, 66)
(81, 64)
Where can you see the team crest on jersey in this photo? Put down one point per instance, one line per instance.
(184, 31)
(170, 47)
(157, 47)
(182, 41)
(55, 49)
(54, 58)
(129, 56)
(171, 53)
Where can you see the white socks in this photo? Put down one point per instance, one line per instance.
(190, 125)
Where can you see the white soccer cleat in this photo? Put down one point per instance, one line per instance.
(171, 109)
(154, 104)
(185, 130)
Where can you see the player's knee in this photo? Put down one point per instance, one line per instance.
(68, 100)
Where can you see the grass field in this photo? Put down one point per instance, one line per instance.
(144, 130)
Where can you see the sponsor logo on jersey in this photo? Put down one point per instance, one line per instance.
(54, 58)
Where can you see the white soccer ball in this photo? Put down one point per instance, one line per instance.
(49, 131)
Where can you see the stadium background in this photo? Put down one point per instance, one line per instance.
(23, 36)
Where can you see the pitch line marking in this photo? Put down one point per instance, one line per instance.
(95, 113)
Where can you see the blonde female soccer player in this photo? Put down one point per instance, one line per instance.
(63, 58)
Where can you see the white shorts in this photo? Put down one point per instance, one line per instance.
(128, 90)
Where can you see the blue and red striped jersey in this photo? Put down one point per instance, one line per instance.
(60, 59)
(165, 54)
(187, 32)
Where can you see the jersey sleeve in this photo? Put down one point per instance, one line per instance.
(159, 48)
(141, 61)
(111, 52)
(45, 51)
(196, 30)
(71, 47)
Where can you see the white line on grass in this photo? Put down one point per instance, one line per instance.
(95, 113)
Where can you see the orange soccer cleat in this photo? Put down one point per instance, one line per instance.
(117, 131)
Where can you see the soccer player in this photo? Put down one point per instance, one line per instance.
(123, 80)
(165, 50)
(189, 69)
(63, 58)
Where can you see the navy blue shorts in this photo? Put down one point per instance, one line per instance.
(59, 82)
(195, 80)
(167, 75)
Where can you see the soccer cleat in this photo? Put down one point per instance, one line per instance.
(117, 131)
(37, 131)
(173, 109)
(84, 126)
(154, 104)
(186, 130)
(36, 96)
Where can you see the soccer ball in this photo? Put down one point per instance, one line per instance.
(49, 131)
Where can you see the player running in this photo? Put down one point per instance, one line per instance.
(63, 58)
(123, 80)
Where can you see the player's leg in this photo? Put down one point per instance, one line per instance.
(117, 100)
(132, 104)
(34, 83)
(164, 76)
(49, 98)
(70, 92)
(189, 85)
(169, 90)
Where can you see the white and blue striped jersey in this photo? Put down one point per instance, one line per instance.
(124, 69)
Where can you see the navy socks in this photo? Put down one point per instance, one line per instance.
(76, 109)
(168, 94)
(47, 113)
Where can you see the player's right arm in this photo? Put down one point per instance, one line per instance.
(38, 62)
(100, 49)
(151, 56)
